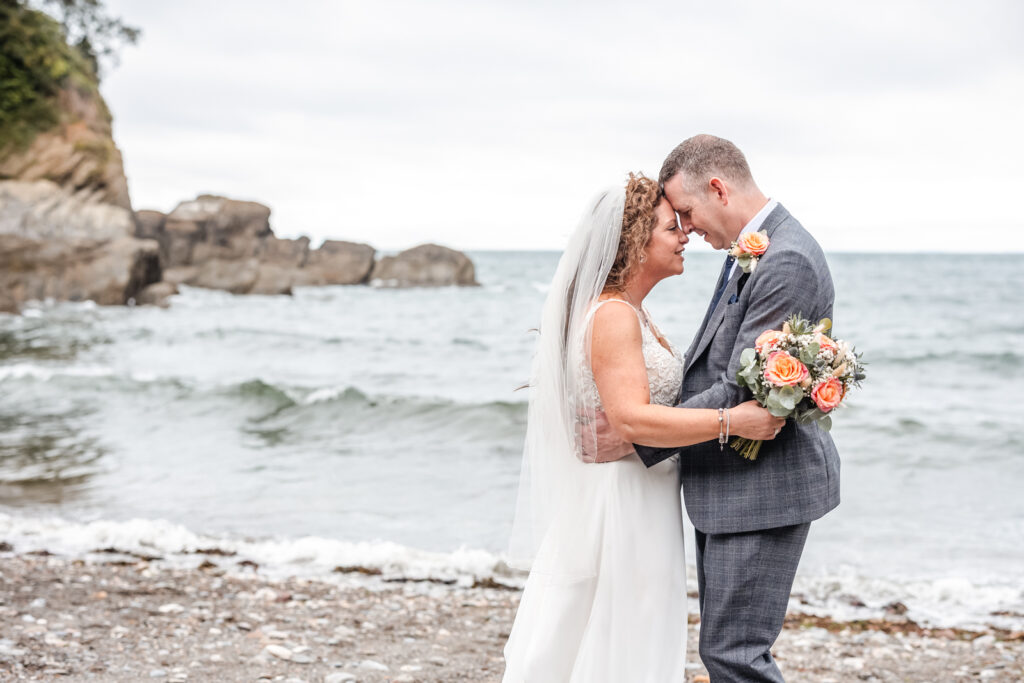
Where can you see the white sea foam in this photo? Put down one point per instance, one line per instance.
(305, 556)
(845, 595)
(938, 602)
(46, 373)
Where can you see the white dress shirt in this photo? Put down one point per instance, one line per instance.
(754, 225)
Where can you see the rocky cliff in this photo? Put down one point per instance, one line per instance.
(66, 226)
(54, 124)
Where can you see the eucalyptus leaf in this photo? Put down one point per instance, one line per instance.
(825, 423)
(810, 352)
(776, 405)
(790, 396)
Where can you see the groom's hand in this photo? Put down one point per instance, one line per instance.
(600, 441)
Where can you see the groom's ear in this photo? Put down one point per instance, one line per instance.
(718, 189)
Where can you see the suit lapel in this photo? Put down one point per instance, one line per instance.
(713, 318)
(717, 315)
(774, 219)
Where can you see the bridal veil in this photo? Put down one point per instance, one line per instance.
(554, 478)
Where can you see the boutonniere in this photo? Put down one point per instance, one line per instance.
(749, 248)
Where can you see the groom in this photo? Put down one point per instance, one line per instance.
(751, 517)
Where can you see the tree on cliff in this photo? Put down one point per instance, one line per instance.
(88, 27)
(41, 56)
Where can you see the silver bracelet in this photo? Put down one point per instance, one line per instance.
(728, 423)
(721, 433)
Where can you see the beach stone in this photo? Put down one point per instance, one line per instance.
(853, 663)
(157, 673)
(279, 651)
(170, 608)
(8, 648)
(303, 658)
(428, 265)
(340, 677)
(984, 641)
(372, 665)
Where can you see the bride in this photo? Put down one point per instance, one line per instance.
(601, 534)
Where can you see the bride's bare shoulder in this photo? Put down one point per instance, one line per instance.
(615, 321)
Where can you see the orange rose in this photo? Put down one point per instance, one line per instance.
(825, 343)
(755, 243)
(783, 370)
(828, 394)
(768, 339)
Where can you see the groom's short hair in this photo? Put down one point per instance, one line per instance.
(703, 156)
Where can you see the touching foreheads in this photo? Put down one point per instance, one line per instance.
(704, 156)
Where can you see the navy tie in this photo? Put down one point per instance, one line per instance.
(723, 282)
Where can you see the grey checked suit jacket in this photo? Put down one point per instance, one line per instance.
(795, 478)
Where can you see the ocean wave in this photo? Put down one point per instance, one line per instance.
(256, 388)
(295, 411)
(844, 594)
(351, 396)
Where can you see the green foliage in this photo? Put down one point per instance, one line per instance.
(809, 353)
(35, 63)
(783, 400)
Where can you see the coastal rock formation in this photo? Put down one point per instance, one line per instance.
(66, 227)
(428, 265)
(337, 263)
(221, 243)
(157, 294)
(67, 230)
(59, 245)
(78, 155)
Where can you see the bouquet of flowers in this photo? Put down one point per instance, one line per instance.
(798, 372)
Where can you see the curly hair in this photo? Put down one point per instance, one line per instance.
(638, 220)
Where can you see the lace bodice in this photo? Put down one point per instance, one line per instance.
(664, 367)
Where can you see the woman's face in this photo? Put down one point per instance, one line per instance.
(664, 251)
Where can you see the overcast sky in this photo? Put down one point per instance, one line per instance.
(883, 126)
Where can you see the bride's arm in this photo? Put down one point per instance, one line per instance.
(621, 376)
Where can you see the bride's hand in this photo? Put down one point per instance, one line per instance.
(751, 421)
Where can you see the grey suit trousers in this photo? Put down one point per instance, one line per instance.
(744, 581)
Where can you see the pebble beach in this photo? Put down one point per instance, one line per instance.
(129, 618)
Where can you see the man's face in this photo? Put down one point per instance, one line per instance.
(701, 211)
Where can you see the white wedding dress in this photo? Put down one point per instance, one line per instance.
(613, 610)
